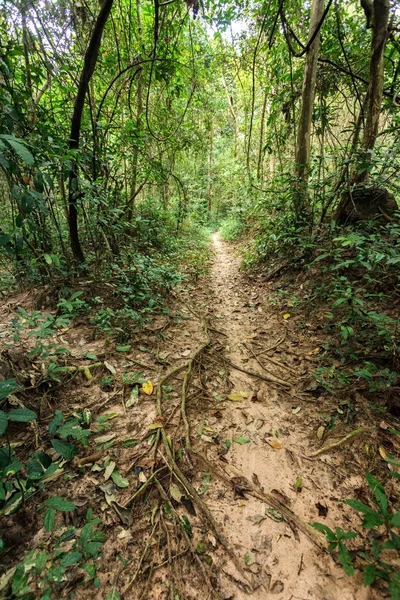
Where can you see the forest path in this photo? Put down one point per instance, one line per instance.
(273, 424)
(210, 521)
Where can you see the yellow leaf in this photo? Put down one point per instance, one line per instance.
(286, 316)
(274, 444)
(320, 432)
(147, 387)
(155, 426)
(235, 396)
(383, 452)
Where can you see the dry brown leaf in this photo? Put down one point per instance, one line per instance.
(274, 444)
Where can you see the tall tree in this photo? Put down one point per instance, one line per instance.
(303, 143)
(89, 65)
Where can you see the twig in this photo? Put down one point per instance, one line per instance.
(339, 442)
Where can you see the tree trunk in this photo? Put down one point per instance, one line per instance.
(90, 61)
(380, 21)
(260, 163)
(139, 113)
(303, 144)
(209, 171)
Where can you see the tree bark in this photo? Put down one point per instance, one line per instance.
(90, 61)
(303, 144)
(380, 21)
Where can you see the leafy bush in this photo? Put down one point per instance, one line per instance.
(373, 559)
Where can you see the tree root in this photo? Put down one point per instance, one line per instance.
(344, 439)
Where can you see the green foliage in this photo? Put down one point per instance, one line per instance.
(42, 572)
(374, 559)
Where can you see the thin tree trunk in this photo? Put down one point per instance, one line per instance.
(139, 113)
(90, 61)
(210, 156)
(303, 144)
(380, 21)
(233, 114)
(261, 145)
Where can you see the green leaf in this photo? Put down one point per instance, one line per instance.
(60, 504)
(131, 443)
(71, 558)
(396, 519)
(372, 518)
(86, 533)
(3, 422)
(66, 450)
(345, 560)
(19, 149)
(369, 574)
(7, 387)
(120, 481)
(378, 491)
(113, 594)
(49, 519)
(123, 348)
(241, 440)
(22, 415)
(187, 526)
(55, 422)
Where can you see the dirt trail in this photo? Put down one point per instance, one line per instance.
(284, 563)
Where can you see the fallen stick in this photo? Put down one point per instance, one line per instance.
(344, 439)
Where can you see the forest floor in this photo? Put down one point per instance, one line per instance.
(235, 483)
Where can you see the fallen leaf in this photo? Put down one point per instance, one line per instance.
(235, 397)
(241, 440)
(320, 432)
(163, 355)
(110, 367)
(120, 481)
(133, 397)
(147, 387)
(142, 477)
(102, 439)
(109, 469)
(155, 426)
(322, 510)
(383, 453)
(296, 410)
(125, 514)
(123, 348)
(274, 444)
(175, 492)
(298, 486)
(207, 438)
(249, 558)
(286, 316)
(185, 353)
(257, 519)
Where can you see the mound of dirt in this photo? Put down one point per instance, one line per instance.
(364, 203)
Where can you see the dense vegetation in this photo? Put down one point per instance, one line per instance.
(130, 131)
